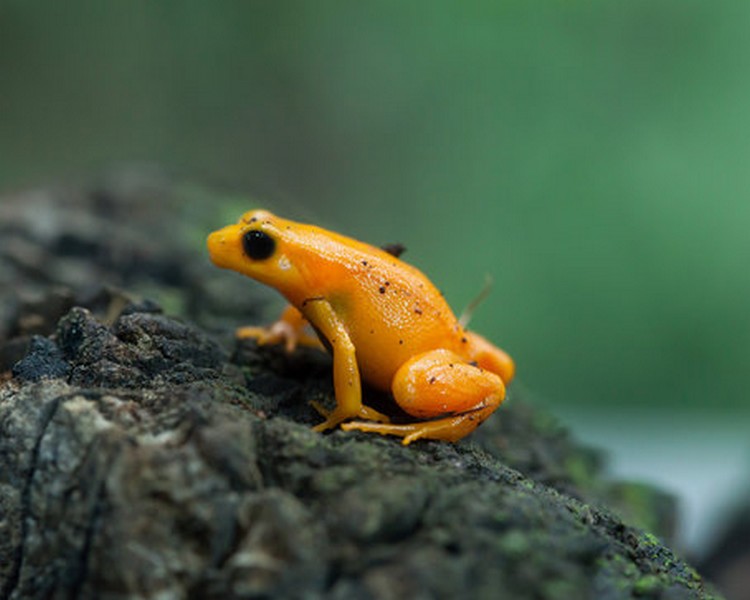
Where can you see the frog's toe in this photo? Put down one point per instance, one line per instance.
(322, 410)
(370, 414)
(333, 418)
(449, 429)
(324, 426)
(406, 431)
(338, 416)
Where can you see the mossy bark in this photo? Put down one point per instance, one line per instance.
(145, 455)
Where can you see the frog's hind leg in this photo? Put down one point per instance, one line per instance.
(454, 397)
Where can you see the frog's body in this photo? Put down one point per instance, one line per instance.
(382, 319)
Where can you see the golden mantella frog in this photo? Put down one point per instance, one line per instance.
(382, 320)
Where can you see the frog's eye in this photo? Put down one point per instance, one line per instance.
(258, 245)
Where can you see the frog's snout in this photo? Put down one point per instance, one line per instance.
(219, 248)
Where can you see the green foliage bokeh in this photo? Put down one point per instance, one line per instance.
(591, 156)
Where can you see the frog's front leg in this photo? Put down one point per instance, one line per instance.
(439, 385)
(346, 379)
(289, 330)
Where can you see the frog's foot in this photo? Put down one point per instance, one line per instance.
(279, 332)
(289, 330)
(449, 429)
(336, 416)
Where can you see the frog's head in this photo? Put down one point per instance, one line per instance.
(256, 246)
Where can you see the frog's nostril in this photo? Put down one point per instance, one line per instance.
(216, 238)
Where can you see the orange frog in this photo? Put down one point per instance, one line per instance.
(381, 319)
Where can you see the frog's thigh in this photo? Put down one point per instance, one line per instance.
(439, 383)
(490, 357)
(440, 386)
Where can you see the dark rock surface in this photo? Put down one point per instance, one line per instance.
(727, 560)
(146, 455)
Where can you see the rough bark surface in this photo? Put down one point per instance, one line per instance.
(146, 455)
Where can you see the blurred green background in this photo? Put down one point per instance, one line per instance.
(591, 156)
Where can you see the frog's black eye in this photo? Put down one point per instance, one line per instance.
(258, 245)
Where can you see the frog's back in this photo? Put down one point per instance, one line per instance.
(390, 309)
